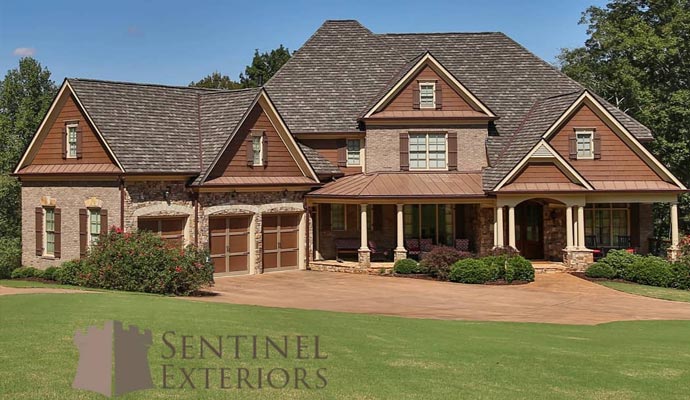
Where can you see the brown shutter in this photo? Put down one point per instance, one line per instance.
(83, 221)
(250, 151)
(572, 142)
(64, 142)
(415, 96)
(404, 151)
(58, 230)
(452, 151)
(79, 140)
(104, 222)
(342, 153)
(264, 150)
(325, 216)
(597, 146)
(439, 96)
(39, 231)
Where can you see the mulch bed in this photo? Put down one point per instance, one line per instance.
(582, 275)
(431, 278)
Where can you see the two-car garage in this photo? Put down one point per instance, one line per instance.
(233, 246)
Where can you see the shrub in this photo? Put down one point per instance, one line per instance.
(505, 251)
(518, 268)
(69, 273)
(680, 272)
(26, 272)
(621, 261)
(600, 270)
(10, 256)
(439, 260)
(651, 270)
(142, 262)
(50, 273)
(408, 266)
(472, 270)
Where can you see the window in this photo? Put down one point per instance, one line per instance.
(607, 222)
(72, 141)
(585, 144)
(94, 225)
(429, 221)
(427, 93)
(338, 217)
(49, 231)
(428, 151)
(257, 148)
(354, 147)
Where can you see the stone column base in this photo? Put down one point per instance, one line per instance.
(673, 253)
(399, 254)
(364, 258)
(578, 259)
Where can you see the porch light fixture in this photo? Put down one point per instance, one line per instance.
(233, 194)
(166, 194)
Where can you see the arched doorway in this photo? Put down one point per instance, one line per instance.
(529, 229)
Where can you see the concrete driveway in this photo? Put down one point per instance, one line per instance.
(552, 298)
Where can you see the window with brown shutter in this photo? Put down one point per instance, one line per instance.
(57, 233)
(83, 232)
(264, 150)
(249, 146)
(439, 98)
(64, 142)
(39, 231)
(104, 222)
(404, 152)
(452, 151)
(597, 146)
(80, 139)
(572, 146)
(342, 153)
(415, 96)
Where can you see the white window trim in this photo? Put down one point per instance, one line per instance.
(409, 151)
(433, 95)
(361, 154)
(344, 218)
(88, 225)
(589, 132)
(261, 150)
(76, 131)
(45, 232)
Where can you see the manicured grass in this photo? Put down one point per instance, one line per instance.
(369, 357)
(18, 283)
(649, 291)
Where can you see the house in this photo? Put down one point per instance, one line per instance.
(363, 143)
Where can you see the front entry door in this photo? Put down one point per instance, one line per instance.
(529, 236)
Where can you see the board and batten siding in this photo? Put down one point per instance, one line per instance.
(618, 161)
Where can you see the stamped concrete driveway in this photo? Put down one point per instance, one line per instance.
(553, 298)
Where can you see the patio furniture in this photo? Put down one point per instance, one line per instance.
(462, 244)
(346, 245)
(425, 246)
(591, 243)
(625, 243)
(412, 246)
(376, 253)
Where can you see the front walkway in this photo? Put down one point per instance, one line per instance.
(552, 298)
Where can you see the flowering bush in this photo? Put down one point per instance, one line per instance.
(143, 262)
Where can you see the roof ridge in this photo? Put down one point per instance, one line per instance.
(149, 84)
(519, 128)
(229, 91)
(439, 33)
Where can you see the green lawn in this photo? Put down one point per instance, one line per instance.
(369, 357)
(17, 283)
(649, 291)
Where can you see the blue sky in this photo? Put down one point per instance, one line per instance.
(175, 42)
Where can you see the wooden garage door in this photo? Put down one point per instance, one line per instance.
(280, 241)
(171, 229)
(229, 243)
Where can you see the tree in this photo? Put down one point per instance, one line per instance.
(25, 96)
(637, 56)
(217, 81)
(263, 67)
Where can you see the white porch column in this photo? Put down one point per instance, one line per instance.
(317, 233)
(581, 227)
(495, 227)
(675, 237)
(499, 227)
(400, 252)
(569, 227)
(511, 227)
(364, 243)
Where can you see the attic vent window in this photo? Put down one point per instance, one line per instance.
(585, 144)
(72, 141)
(257, 149)
(427, 96)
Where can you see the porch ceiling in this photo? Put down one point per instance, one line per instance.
(385, 185)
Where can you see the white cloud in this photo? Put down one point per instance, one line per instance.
(24, 51)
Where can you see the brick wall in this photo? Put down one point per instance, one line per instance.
(383, 148)
(69, 198)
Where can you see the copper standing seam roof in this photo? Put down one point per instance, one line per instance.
(634, 185)
(260, 180)
(69, 169)
(404, 184)
(542, 187)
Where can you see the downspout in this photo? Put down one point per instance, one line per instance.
(122, 203)
(195, 200)
(306, 234)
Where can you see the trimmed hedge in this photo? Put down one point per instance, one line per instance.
(650, 270)
(69, 272)
(473, 270)
(600, 270)
(620, 261)
(26, 272)
(681, 275)
(10, 256)
(518, 268)
(439, 260)
(408, 266)
(50, 273)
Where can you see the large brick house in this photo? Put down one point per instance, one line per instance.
(372, 144)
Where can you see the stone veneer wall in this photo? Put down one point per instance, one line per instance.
(383, 147)
(70, 198)
(253, 203)
(554, 232)
(485, 237)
